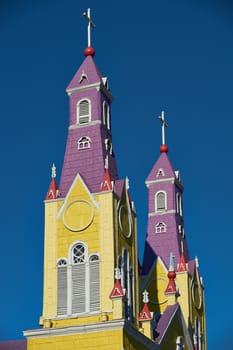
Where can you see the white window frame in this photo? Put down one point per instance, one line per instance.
(84, 142)
(108, 146)
(105, 113)
(87, 116)
(160, 227)
(159, 210)
(86, 263)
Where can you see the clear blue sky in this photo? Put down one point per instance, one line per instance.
(171, 55)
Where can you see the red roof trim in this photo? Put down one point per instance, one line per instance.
(117, 291)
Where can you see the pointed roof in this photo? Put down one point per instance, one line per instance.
(88, 73)
(106, 184)
(162, 169)
(53, 191)
(117, 291)
(164, 321)
(145, 314)
(181, 267)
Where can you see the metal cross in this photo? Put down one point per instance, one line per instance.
(164, 125)
(91, 24)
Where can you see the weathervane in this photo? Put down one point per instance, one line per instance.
(164, 125)
(91, 24)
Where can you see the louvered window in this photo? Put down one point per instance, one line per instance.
(84, 112)
(94, 283)
(62, 287)
(161, 201)
(78, 279)
(78, 288)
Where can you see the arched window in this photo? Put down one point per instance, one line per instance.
(83, 112)
(78, 282)
(160, 201)
(62, 286)
(160, 227)
(84, 142)
(178, 203)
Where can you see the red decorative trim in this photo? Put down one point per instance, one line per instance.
(53, 191)
(145, 314)
(117, 291)
(181, 267)
(171, 287)
(106, 184)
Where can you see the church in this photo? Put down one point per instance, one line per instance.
(96, 293)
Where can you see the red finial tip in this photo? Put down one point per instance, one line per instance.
(89, 51)
(171, 275)
(163, 148)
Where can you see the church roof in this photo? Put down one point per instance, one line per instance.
(166, 167)
(13, 345)
(164, 321)
(88, 73)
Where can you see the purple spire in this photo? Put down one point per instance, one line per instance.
(89, 135)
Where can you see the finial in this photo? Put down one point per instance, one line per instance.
(89, 51)
(117, 273)
(53, 175)
(163, 147)
(127, 183)
(196, 261)
(145, 297)
(171, 262)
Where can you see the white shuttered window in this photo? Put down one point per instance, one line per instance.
(160, 201)
(94, 283)
(62, 287)
(83, 112)
(79, 282)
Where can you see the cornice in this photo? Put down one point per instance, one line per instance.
(64, 331)
(151, 182)
(162, 213)
(98, 86)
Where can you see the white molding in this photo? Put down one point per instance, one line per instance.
(162, 212)
(98, 86)
(170, 179)
(93, 327)
(64, 331)
(77, 178)
(91, 123)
